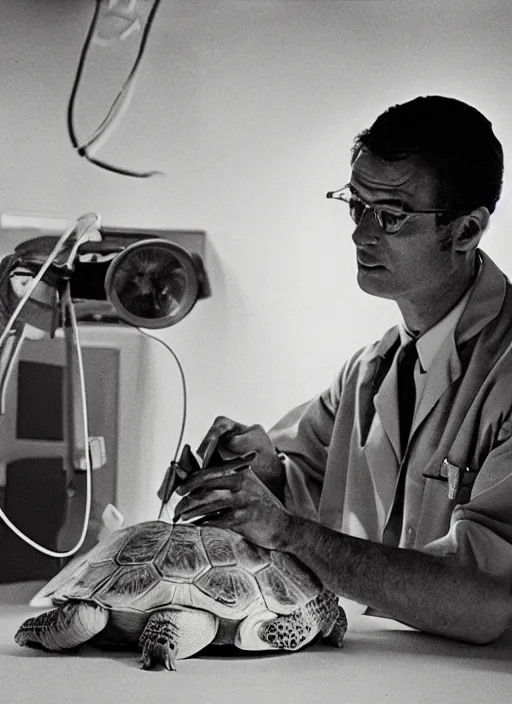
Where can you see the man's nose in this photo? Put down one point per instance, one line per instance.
(367, 231)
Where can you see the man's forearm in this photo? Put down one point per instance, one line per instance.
(429, 593)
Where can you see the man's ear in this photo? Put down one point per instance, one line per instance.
(470, 229)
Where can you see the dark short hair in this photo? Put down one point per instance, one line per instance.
(452, 138)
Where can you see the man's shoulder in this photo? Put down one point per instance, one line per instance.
(378, 348)
(371, 353)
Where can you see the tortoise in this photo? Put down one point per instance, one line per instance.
(172, 589)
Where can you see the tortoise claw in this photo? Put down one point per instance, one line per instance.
(155, 654)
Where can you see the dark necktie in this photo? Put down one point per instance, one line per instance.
(406, 390)
(407, 357)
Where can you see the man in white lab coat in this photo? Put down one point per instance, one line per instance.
(395, 484)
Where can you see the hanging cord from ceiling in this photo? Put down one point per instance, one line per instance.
(119, 104)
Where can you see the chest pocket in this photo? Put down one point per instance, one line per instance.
(457, 480)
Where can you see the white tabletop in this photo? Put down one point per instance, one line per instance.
(382, 661)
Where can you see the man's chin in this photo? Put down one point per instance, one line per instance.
(371, 281)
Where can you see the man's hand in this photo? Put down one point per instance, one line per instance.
(234, 439)
(234, 497)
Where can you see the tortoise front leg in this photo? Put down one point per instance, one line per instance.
(173, 634)
(65, 627)
(321, 615)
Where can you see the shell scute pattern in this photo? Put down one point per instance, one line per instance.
(154, 564)
(126, 584)
(99, 554)
(231, 586)
(183, 558)
(158, 596)
(143, 545)
(279, 594)
(86, 582)
(107, 551)
(305, 581)
(61, 588)
(252, 557)
(218, 547)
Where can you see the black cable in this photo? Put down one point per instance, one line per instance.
(82, 150)
(78, 76)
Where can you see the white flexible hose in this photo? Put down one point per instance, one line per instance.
(69, 307)
(83, 224)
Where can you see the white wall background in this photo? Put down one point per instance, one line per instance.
(250, 107)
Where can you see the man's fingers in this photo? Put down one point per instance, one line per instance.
(250, 436)
(192, 509)
(224, 477)
(231, 517)
(206, 503)
(207, 453)
(223, 519)
(221, 426)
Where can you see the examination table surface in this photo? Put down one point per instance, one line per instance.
(382, 661)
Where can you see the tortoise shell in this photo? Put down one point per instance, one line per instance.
(152, 565)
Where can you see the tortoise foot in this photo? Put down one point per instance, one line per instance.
(175, 633)
(64, 628)
(155, 654)
(321, 616)
(337, 633)
(286, 632)
(158, 642)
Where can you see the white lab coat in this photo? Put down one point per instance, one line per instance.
(341, 450)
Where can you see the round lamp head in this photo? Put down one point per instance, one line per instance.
(152, 283)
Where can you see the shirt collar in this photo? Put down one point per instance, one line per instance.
(429, 344)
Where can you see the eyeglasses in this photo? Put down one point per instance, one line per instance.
(390, 218)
